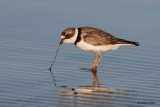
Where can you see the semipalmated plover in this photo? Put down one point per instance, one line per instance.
(93, 40)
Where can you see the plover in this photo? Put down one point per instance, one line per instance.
(93, 40)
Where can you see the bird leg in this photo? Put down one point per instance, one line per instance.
(95, 79)
(93, 67)
(100, 57)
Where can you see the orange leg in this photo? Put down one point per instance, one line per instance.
(100, 57)
(96, 57)
(95, 78)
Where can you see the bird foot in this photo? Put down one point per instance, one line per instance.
(93, 69)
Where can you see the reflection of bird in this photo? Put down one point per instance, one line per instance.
(93, 40)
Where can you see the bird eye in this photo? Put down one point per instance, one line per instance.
(67, 36)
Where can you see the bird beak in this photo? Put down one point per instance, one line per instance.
(62, 41)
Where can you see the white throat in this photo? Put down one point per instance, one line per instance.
(73, 39)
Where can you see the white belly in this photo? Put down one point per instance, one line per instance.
(104, 48)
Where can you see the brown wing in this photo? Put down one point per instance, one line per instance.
(97, 37)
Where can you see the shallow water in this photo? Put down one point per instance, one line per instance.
(29, 36)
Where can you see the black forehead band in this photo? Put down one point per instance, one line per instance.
(63, 33)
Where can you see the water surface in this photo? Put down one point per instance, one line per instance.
(29, 36)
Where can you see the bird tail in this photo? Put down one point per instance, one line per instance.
(122, 41)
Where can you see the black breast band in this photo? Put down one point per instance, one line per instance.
(78, 37)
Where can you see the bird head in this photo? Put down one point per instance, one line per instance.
(69, 35)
